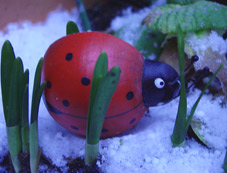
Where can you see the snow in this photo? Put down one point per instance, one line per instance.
(213, 40)
(130, 22)
(200, 44)
(145, 148)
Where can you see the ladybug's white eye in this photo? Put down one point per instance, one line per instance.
(159, 83)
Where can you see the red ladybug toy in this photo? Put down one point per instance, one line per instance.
(68, 68)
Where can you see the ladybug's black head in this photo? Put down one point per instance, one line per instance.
(160, 83)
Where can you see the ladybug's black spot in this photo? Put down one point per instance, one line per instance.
(130, 95)
(85, 81)
(65, 103)
(74, 127)
(49, 84)
(132, 121)
(104, 130)
(68, 56)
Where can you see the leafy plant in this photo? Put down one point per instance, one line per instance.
(201, 15)
(33, 129)
(103, 86)
(14, 84)
(183, 120)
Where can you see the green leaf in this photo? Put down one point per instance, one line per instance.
(99, 72)
(179, 132)
(37, 92)
(24, 100)
(196, 127)
(102, 100)
(103, 97)
(91, 146)
(201, 15)
(13, 116)
(7, 59)
(22, 82)
(200, 96)
(103, 86)
(182, 2)
(71, 28)
(33, 130)
(24, 121)
(149, 43)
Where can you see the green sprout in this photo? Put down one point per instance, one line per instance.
(183, 120)
(83, 15)
(71, 28)
(14, 85)
(33, 130)
(103, 86)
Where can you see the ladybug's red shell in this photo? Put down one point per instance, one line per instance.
(68, 68)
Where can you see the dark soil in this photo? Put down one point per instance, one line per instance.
(101, 15)
(6, 163)
(76, 165)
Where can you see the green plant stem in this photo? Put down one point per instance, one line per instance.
(103, 86)
(182, 121)
(14, 144)
(91, 153)
(104, 94)
(34, 147)
(200, 96)
(179, 132)
(33, 131)
(83, 14)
